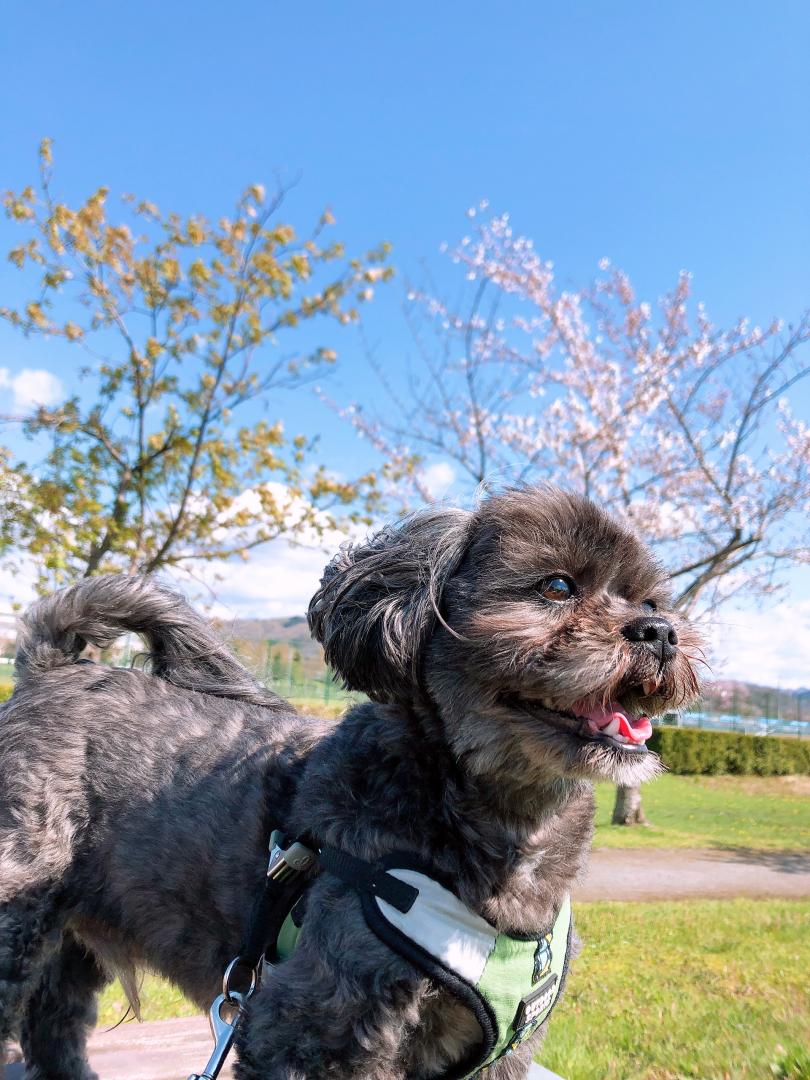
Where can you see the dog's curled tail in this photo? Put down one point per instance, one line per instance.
(181, 644)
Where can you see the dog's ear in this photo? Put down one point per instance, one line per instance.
(379, 601)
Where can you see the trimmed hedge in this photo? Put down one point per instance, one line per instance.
(690, 751)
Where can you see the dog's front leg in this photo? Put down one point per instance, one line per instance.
(343, 1006)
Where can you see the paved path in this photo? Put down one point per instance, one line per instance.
(174, 1048)
(720, 874)
(168, 1050)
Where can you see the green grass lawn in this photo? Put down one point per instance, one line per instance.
(765, 813)
(316, 706)
(704, 989)
(159, 1001)
(715, 990)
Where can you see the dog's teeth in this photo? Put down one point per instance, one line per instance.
(649, 687)
(612, 728)
(622, 739)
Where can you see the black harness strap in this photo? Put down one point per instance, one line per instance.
(281, 891)
(368, 878)
(270, 908)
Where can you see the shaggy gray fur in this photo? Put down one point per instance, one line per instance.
(135, 808)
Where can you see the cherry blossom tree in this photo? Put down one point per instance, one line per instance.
(686, 429)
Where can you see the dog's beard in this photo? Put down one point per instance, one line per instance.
(603, 732)
(526, 716)
(605, 742)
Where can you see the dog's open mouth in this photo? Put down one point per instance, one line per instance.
(613, 724)
(618, 724)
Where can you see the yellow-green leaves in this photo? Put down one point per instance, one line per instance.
(186, 322)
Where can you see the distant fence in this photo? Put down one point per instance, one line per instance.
(325, 691)
(315, 691)
(749, 725)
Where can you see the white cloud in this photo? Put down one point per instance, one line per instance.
(17, 588)
(438, 478)
(279, 577)
(278, 580)
(769, 645)
(32, 387)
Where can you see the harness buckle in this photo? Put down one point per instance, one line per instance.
(243, 973)
(285, 863)
(241, 976)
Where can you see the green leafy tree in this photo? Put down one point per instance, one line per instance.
(179, 325)
(296, 667)
(276, 667)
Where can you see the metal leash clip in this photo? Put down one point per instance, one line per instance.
(224, 1016)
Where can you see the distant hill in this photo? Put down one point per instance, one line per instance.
(276, 650)
(292, 630)
(752, 699)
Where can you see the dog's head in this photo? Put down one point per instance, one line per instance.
(540, 628)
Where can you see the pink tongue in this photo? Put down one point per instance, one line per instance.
(614, 720)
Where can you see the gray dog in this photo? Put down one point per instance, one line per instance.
(511, 655)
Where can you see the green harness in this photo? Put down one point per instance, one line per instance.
(510, 984)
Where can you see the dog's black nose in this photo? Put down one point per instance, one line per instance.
(655, 633)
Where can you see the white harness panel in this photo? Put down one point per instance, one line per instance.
(443, 926)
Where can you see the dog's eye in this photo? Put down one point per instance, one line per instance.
(649, 605)
(557, 588)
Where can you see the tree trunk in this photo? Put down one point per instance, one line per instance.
(627, 809)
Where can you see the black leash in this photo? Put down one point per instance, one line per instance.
(286, 879)
(289, 873)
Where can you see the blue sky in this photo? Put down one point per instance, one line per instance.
(664, 136)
